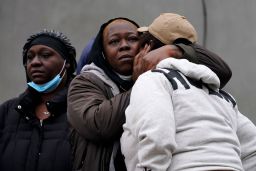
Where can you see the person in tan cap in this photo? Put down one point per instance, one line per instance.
(170, 28)
(98, 97)
(178, 118)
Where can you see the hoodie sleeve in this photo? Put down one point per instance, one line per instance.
(152, 123)
(246, 132)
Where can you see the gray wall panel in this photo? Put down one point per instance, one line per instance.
(231, 27)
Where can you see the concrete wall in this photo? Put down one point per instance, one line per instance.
(230, 33)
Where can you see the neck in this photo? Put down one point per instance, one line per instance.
(125, 77)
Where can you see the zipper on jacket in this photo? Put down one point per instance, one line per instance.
(41, 135)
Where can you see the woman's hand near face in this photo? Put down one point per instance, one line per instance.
(146, 60)
(138, 63)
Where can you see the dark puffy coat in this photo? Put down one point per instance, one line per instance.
(26, 144)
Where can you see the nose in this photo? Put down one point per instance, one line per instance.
(35, 61)
(124, 45)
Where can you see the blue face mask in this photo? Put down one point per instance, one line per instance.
(49, 86)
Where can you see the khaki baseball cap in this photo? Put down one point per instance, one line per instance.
(169, 26)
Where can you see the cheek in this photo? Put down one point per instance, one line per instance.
(52, 71)
(28, 70)
(111, 52)
(112, 61)
(135, 48)
(111, 55)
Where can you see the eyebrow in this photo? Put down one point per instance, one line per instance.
(41, 49)
(128, 33)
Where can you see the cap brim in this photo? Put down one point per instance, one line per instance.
(142, 29)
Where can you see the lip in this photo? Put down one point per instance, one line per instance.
(126, 58)
(36, 73)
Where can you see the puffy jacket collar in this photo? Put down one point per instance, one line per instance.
(29, 99)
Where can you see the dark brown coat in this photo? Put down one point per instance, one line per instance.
(98, 117)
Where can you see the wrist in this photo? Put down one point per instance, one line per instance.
(175, 51)
(188, 52)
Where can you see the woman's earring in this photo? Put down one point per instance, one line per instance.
(67, 65)
(103, 55)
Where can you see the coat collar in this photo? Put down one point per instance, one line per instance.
(30, 98)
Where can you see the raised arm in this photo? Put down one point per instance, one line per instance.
(93, 111)
(147, 60)
(198, 54)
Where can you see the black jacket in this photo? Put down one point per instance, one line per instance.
(26, 144)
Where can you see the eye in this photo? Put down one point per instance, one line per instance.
(133, 39)
(30, 57)
(45, 55)
(114, 42)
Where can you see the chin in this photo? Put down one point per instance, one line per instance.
(126, 73)
(38, 81)
(127, 68)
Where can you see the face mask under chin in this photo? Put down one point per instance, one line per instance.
(50, 85)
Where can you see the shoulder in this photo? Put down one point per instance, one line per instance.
(155, 80)
(88, 84)
(86, 78)
(7, 107)
(151, 76)
(9, 102)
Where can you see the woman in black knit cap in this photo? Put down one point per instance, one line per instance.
(33, 127)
